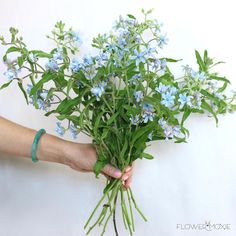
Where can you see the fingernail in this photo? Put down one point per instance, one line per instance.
(128, 169)
(117, 174)
(125, 178)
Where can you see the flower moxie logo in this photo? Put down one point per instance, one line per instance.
(208, 226)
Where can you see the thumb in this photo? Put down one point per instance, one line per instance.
(112, 171)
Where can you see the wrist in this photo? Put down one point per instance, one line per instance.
(51, 148)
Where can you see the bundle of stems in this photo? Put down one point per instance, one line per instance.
(108, 205)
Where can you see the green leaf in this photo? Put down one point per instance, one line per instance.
(124, 149)
(131, 16)
(171, 59)
(112, 118)
(205, 57)
(202, 66)
(69, 86)
(207, 107)
(186, 114)
(13, 49)
(209, 96)
(50, 112)
(147, 156)
(10, 50)
(81, 117)
(219, 78)
(220, 90)
(131, 109)
(5, 85)
(23, 91)
(20, 61)
(41, 54)
(82, 78)
(45, 78)
(144, 131)
(96, 124)
(99, 165)
(50, 92)
(105, 133)
(180, 140)
(67, 104)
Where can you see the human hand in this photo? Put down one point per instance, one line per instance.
(82, 157)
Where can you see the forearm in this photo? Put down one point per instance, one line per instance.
(17, 140)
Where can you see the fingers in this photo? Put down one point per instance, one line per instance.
(107, 176)
(127, 183)
(127, 177)
(112, 171)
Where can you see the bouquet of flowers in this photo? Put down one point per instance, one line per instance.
(123, 96)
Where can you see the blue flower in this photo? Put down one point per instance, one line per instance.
(99, 90)
(88, 60)
(44, 94)
(11, 74)
(73, 130)
(198, 75)
(173, 90)
(219, 95)
(134, 79)
(163, 64)
(131, 22)
(76, 66)
(137, 38)
(102, 58)
(184, 99)
(76, 37)
(156, 64)
(122, 42)
(162, 88)
(41, 98)
(162, 41)
(149, 51)
(176, 130)
(134, 120)
(197, 99)
(111, 47)
(58, 55)
(41, 104)
(147, 112)
(138, 96)
(29, 87)
(168, 99)
(52, 65)
(168, 132)
(162, 122)
(60, 129)
(171, 131)
(138, 56)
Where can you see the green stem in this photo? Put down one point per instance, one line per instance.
(123, 204)
(123, 214)
(114, 193)
(135, 205)
(114, 215)
(104, 195)
(130, 208)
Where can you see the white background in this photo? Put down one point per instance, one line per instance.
(186, 183)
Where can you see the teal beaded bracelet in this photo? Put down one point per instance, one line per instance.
(35, 144)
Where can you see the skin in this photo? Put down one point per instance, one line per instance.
(16, 140)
